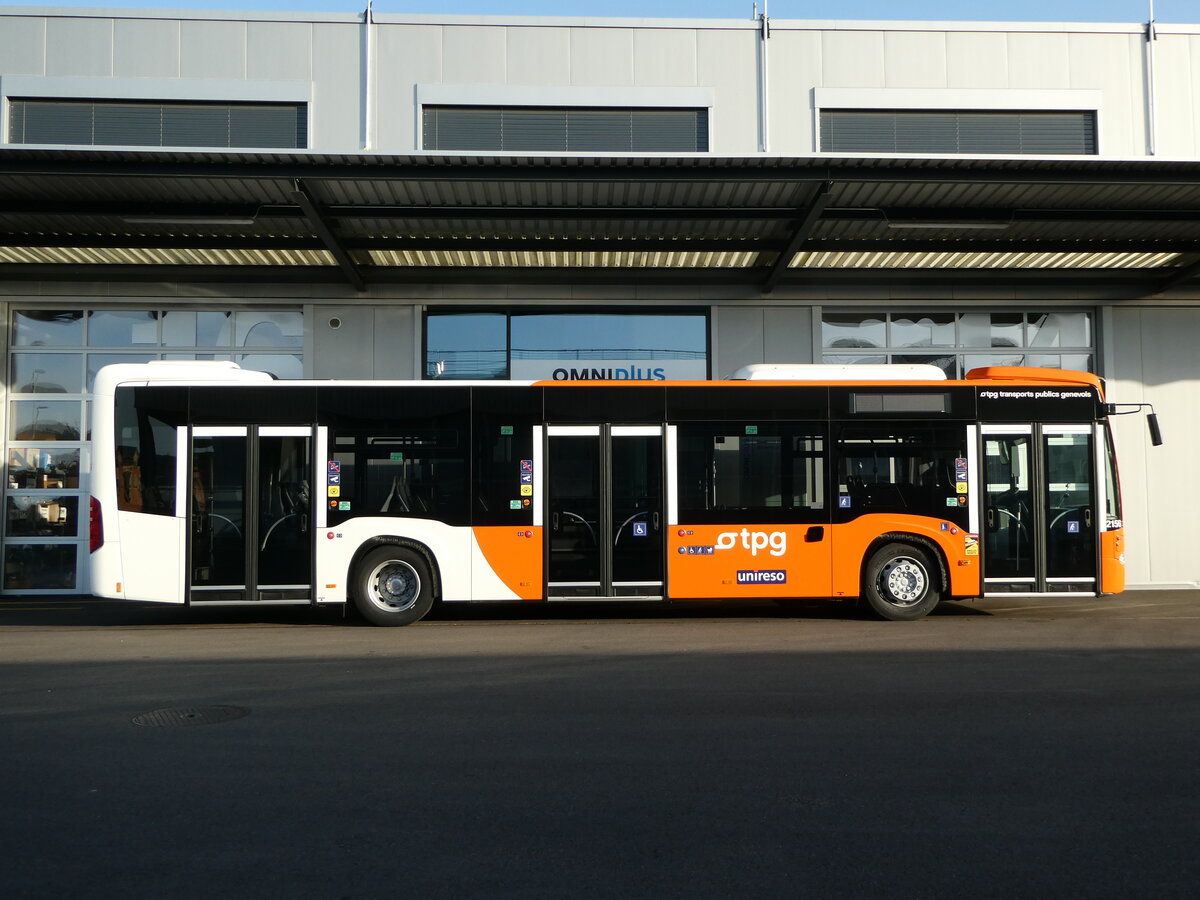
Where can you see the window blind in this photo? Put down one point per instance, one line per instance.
(958, 131)
(590, 129)
(139, 123)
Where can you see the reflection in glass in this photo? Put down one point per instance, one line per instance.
(837, 359)
(269, 329)
(46, 373)
(43, 467)
(42, 516)
(991, 330)
(916, 330)
(948, 364)
(280, 365)
(840, 330)
(122, 328)
(56, 420)
(214, 329)
(97, 361)
(668, 346)
(30, 567)
(48, 328)
(1060, 329)
(466, 345)
(978, 360)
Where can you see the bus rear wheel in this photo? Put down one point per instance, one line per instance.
(392, 586)
(901, 583)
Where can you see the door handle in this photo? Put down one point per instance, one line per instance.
(1087, 517)
(654, 521)
(554, 521)
(991, 519)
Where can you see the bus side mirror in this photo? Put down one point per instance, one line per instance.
(1155, 432)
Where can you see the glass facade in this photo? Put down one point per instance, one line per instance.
(957, 342)
(53, 360)
(566, 345)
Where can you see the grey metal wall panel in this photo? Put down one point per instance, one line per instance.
(602, 56)
(538, 55)
(146, 48)
(396, 340)
(79, 46)
(738, 336)
(279, 51)
(345, 351)
(212, 49)
(23, 46)
(787, 334)
(1154, 352)
(337, 110)
(474, 55)
(405, 57)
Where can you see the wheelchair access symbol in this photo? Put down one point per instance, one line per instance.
(640, 529)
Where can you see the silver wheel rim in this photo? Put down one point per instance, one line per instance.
(394, 586)
(903, 581)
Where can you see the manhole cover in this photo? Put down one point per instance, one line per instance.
(190, 715)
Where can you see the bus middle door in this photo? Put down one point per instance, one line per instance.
(250, 514)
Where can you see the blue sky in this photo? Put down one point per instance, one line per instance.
(998, 10)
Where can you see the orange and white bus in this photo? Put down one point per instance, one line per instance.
(886, 485)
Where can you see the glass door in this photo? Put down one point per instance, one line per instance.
(1039, 521)
(249, 514)
(604, 511)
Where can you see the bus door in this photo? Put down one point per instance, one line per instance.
(250, 514)
(604, 512)
(1040, 521)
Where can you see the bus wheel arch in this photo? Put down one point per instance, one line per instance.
(393, 581)
(904, 576)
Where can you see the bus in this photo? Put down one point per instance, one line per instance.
(887, 486)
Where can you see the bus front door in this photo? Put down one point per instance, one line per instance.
(1040, 524)
(250, 514)
(604, 512)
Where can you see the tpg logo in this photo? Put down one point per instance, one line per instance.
(754, 541)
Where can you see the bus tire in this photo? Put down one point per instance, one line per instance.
(392, 586)
(900, 583)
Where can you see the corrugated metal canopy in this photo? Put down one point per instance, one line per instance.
(758, 222)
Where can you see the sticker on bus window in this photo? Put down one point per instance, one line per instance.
(960, 469)
(843, 502)
(751, 429)
(527, 465)
(396, 457)
(514, 504)
(334, 490)
(640, 529)
(343, 505)
(527, 490)
(961, 487)
(1072, 528)
(333, 466)
(952, 501)
(506, 429)
(971, 547)
(526, 478)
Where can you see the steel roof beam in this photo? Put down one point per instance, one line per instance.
(325, 232)
(802, 229)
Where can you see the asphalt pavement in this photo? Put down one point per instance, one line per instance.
(1002, 748)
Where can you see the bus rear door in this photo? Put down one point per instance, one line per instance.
(250, 514)
(1040, 523)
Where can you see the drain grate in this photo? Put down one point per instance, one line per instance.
(190, 715)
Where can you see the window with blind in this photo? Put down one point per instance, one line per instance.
(958, 131)
(144, 123)
(589, 129)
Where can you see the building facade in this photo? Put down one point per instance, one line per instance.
(588, 197)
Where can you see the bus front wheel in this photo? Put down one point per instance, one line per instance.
(392, 586)
(901, 583)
